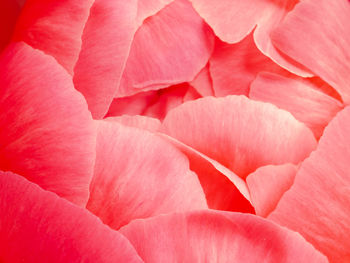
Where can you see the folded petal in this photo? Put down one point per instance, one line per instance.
(300, 97)
(234, 67)
(38, 226)
(138, 175)
(47, 134)
(267, 185)
(208, 236)
(170, 47)
(55, 27)
(203, 82)
(320, 44)
(9, 12)
(106, 43)
(317, 205)
(240, 133)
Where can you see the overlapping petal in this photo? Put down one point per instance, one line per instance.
(46, 131)
(209, 236)
(38, 226)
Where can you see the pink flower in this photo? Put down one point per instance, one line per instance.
(174, 131)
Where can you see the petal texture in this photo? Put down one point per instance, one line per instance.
(208, 236)
(138, 175)
(47, 134)
(317, 204)
(38, 226)
(240, 133)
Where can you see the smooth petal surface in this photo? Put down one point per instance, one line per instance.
(208, 236)
(106, 44)
(147, 8)
(46, 131)
(203, 82)
(317, 205)
(300, 97)
(9, 11)
(138, 175)
(138, 121)
(55, 27)
(240, 133)
(320, 44)
(234, 67)
(170, 47)
(267, 185)
(38, 226)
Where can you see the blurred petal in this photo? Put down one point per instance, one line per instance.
(137, 121)
(47, 134)
(209, 236)
(240, 133)
(267, 185)
(317, 205)
(328, 40)
(298, 96)
(9, 11)
(106, 44)
(55, 27)
(138, 175)
(38, 226)
(170, 47)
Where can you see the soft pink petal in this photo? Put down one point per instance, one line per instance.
(208, 236)
(147, 8)
(55, 27)
(38, 226)
(320, 44)
(106, 43)
(46, 131)
(234, 67)
(267, 185)
(240, 133)
(138, 121)
(317, 205)
(203, 83)
(138, 175)
(169, 48)
(9, 11)
(302, 98)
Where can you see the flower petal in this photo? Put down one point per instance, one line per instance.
(203, 83)
(47, 134)
(38, 226)
(300, 97)
(208, 236)
(9, 12)
(328, 40)
(138, 175)
(239, 133)
(55, 27)
(317, 205)
(138, 121)
(106, 44)
(170, 47)
(267, 185)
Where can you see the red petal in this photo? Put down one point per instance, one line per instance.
(209, 236)
(138, 175)
(300, 97)
(320, 44)
(317, 205)
(100, 67)
(239, 133)
(170, 47)
(267, 185)
(54, 27)
(47, 134)
(9, 11)
(37, 226)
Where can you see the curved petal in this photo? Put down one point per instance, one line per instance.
(240, 133)
(106, 43)
(317, 205)
(234, 67)
(322, 45)
(54, 27)
(147, 8)
(267, 185)
(208, 236)
(203, 83)
(138, 121)
(47, 134)
(302, 98)
(38, 226)
(170, 47)
(9, 12)
(138, 175)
